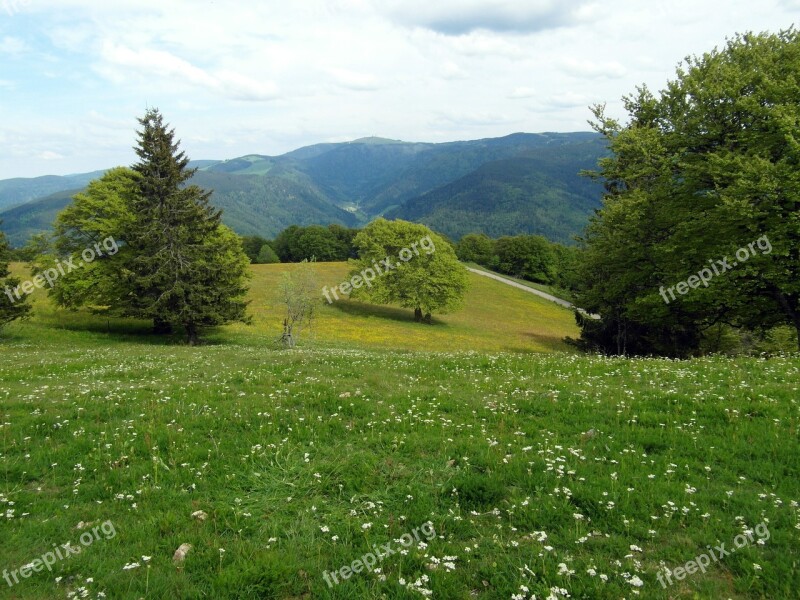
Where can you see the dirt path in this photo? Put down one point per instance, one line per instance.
(544, 295)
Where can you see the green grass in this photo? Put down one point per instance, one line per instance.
(305, 460)
(548, 289)
(495, 317)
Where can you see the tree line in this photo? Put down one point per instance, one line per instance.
(295, 244)
(530, 257)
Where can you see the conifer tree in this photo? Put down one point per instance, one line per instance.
(187, 268)
(177, 263)
(11, 306)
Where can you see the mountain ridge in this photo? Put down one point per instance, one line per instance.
(350, 183)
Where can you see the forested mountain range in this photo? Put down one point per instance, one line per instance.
(521, 183)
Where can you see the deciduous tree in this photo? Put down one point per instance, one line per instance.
(425, 273)
(708, 166)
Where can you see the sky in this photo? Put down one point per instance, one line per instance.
(267, 77)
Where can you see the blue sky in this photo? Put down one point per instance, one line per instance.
(267, 77)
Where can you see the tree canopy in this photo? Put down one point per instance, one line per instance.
(177, 264)
(413, 267)
(699, 171)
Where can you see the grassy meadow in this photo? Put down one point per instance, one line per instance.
(542, 472)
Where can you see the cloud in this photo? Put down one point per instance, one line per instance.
(553, 102)
(352, 80)
(50, 155)
(568, 100)
(450, 71)
(588, 69)
(480, 44)
(149, 63)
(12, 45)
(523, 92)
(458, 17)
(458, 119)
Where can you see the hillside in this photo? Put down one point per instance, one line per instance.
(21, 222)
(495, 317)
(540, 192)
(21, 190)
(351, 183)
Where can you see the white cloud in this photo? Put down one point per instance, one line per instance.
(333, 69)
(352, 80)
(12, 45)
(50, 155)
(585, 68)
(455, 118)
(452, 72)
(148, 63)
(568, 100)
(523, 92)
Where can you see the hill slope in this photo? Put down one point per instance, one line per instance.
(304, 461)
(21, 190)
(539, 192)
(21, 222)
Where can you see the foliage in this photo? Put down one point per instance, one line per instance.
(252, 244)
(11, 307)
(426, 275)
(705, 168)
(567, 265)
(177, 264)
(478, 248)
(299, 289)
(324, 244)
(528, 256)
(102, 211)
(267, 256)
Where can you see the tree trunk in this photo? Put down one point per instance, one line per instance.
(161, 327)
(288, 337)
(191, 334)
(418, 315)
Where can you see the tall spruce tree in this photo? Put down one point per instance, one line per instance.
(11, 307)
(187, 268)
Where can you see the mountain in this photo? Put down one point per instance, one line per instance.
(21, 222)
(538, 192)
(518, 183)
(21, 190)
